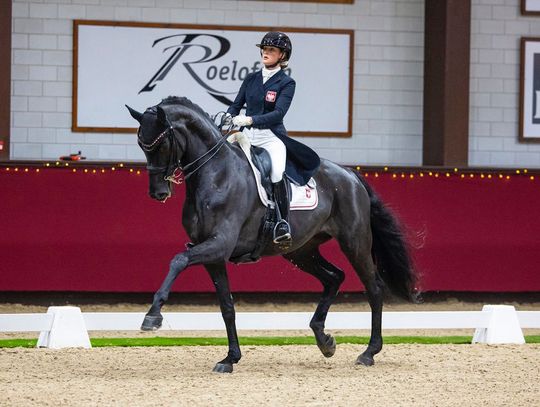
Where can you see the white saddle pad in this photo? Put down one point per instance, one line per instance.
(304, 198)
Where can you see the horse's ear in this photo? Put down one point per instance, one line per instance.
(162, 116)
(136, 115)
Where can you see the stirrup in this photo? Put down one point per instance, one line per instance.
(285, 238)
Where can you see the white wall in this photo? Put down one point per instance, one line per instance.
(388, 81)
(388, 71)
(497, 26)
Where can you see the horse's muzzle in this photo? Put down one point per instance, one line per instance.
(160, 194)
(161, 197)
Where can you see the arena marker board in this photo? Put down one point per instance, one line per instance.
(503, 326)
(68, 330)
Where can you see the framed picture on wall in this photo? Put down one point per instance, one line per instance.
(139, 64)
(529, 94)
(530, 7)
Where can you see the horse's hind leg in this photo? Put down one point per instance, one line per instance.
(331, 278)
(358, 252)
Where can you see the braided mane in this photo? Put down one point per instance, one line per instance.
(183, 101)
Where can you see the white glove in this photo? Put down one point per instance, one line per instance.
(242, 120)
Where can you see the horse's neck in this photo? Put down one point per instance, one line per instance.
(200, 144)
(197, 144)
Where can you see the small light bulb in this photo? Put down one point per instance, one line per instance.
(113, 169)
(386, 168)
(86, 170)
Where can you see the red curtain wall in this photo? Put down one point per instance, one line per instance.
(84, 231)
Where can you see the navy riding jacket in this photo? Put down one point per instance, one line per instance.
(267, 104)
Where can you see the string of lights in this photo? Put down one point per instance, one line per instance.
(77, 168)
(461, 174)
(397, 174)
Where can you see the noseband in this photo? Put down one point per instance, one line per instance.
(173, 168)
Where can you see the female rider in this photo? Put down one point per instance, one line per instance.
(268, 93)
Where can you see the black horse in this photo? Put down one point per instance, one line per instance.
(222, 214)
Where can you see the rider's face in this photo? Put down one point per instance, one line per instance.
(270, 56)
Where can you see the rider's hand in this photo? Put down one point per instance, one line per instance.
(242, 120)
(227, 119)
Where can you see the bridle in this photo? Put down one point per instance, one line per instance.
(173, 169)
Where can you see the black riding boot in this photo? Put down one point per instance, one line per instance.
(282, 230)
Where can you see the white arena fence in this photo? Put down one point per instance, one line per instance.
(63, 327)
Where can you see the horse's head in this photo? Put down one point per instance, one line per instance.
(162, 149)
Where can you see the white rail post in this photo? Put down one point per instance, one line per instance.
(503, 326)
(68, 330)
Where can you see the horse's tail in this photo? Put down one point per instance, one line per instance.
(390, 250)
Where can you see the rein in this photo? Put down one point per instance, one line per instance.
(173, 168)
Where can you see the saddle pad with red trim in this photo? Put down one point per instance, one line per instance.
(304, 198)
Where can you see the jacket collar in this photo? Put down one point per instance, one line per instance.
(274, 78)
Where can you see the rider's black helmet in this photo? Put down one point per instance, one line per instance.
(279, 40)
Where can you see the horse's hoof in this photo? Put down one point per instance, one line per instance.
(328, 348)
(365, 360)
(223, 367)
(151, 322)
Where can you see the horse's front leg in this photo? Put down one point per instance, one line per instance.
(153, 318)
(218, 273)
(210, 251)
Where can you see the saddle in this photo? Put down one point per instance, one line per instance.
(261, 159)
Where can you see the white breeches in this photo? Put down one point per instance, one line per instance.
(275, 147)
